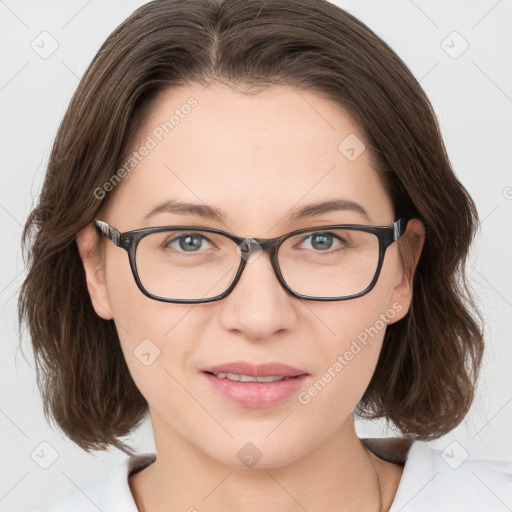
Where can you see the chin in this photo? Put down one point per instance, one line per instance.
(259, 452)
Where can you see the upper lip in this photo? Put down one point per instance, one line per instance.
(260, 370)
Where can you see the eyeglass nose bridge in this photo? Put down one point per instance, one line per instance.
(249, 249)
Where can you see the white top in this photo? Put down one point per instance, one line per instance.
(432, 480)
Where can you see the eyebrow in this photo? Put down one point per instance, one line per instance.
(296, 214)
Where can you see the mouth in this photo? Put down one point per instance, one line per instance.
(237, 377)
(243, 369)
(256, 386)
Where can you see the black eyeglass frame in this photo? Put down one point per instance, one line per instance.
(129, 240)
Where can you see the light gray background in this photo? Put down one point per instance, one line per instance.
(471, 93)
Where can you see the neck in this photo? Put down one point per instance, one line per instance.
(342, 474)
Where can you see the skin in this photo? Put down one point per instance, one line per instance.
(254, 157)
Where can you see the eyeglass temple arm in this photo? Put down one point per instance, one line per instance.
(399, 228)
(108, 231)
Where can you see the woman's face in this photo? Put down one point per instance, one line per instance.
(255, 159)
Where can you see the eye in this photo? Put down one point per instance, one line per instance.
(324, 240)
(189, 242)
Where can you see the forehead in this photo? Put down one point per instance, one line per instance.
(250, 156)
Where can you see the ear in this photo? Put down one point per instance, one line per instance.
(89, 247)
(411, 245)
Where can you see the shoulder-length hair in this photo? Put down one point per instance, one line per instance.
(426, 374)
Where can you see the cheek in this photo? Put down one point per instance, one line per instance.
(149, 330)
(136, 315)
(346, 365)
(361, 321)
(157, 351)
(350, 360)
(350, 352)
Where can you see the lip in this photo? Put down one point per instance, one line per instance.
(256, 394)
(260, 370)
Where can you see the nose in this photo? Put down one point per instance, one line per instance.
(258, 306)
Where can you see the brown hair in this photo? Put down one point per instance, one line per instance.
(425, 377)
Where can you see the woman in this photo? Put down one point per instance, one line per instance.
(250, 229)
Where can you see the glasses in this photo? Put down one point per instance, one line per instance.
(185, 264)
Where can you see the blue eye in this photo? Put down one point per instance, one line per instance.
(322, 241)
(188, 242)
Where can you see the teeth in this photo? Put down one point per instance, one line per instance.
(269, 379)
(247, 378)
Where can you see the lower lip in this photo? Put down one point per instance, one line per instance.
(256, 394)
